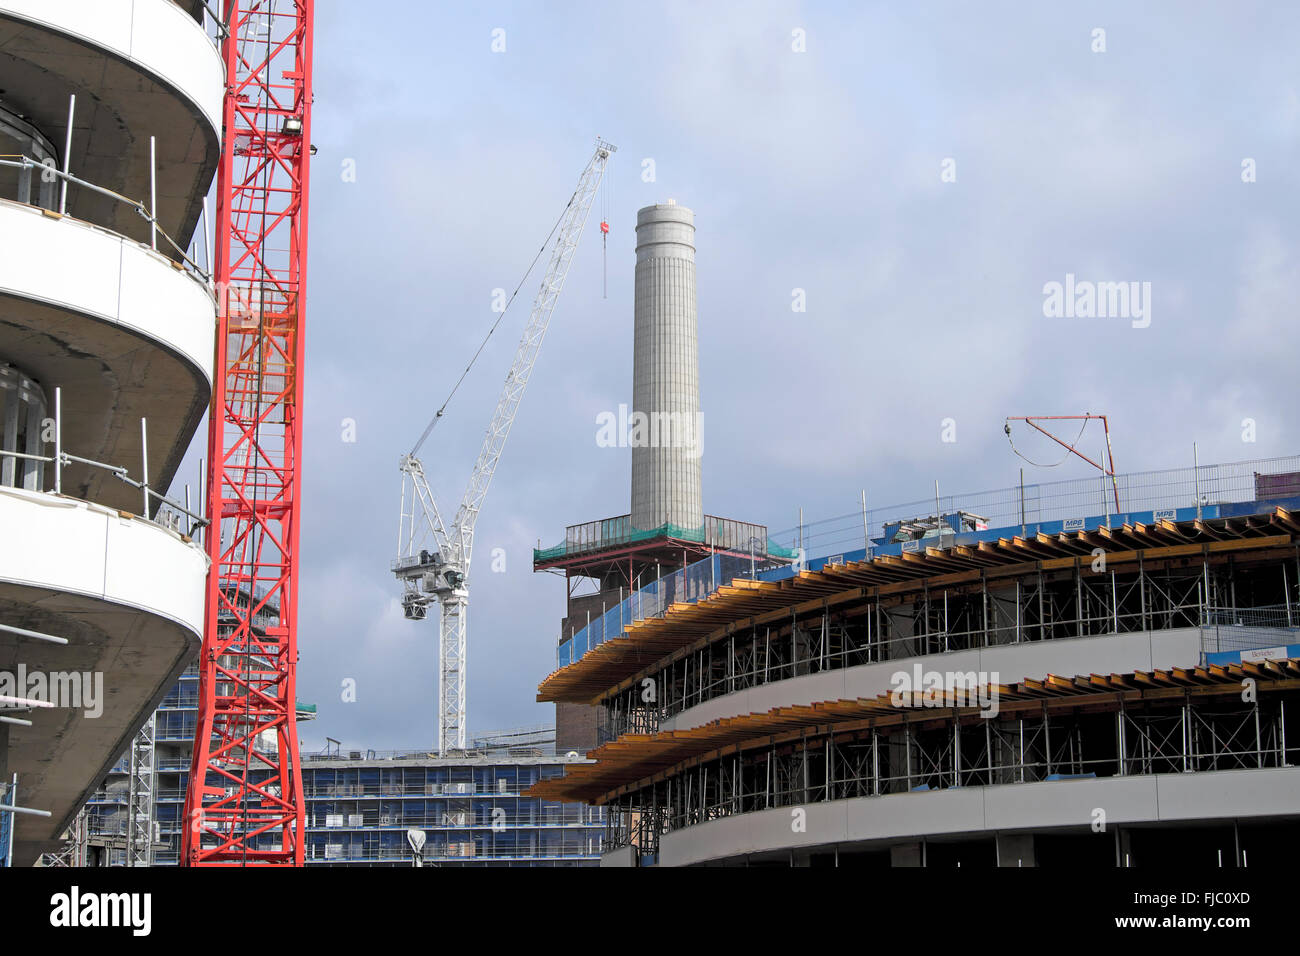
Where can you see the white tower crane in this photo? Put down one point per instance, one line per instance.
(433, 559)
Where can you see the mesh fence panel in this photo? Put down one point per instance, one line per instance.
(1230, 483)
(1058, 500)
(722, 533)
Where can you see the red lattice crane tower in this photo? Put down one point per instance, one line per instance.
(244, 804)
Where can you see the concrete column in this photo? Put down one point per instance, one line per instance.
(665, 372)
(906, 854)
(1016, 849)
(1124, 849)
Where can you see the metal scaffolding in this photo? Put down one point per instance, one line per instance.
(1107, 737)
(140, 797)
(73, 851)
(1222, 595)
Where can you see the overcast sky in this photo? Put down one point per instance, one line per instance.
(822, 170)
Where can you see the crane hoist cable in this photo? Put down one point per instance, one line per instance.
(1006, 427)
(604, 236)
(482, 345)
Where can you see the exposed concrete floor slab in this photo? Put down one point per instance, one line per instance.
(131, 338)
(120, 104)
(128, 597)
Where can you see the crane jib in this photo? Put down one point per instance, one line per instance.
(433, 561)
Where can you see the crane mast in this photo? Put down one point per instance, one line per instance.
(433, 560)
(244, 802)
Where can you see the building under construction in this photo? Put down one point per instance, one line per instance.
(110, 135)
(1019, 678)
(360, 803)
(471, 807)
(1039, 676)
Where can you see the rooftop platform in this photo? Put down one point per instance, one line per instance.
(612, 547)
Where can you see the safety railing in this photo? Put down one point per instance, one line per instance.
(1202, 487)
(213, 16)
(179, 702)
(768, 668)
(491, 818)
(358, 853)
(682, 586)
(47, 172)
(1223, 629)
(1184, 735)
(109, 826)
(170, 514)
(543, 748)
(1205, 488)
(1273, 616)
(169, 732)
(412, 791)
(1238, 629)
(721, 534)
(416, 782)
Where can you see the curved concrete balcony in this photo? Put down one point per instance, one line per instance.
(128, 596)
(1064, 806)
(121, 330)
(1103, 653)
(138, 68)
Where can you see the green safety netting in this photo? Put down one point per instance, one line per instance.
(628, 535)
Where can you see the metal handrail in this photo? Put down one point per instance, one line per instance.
(1200, 485)
(1154, 490)
(26, 162)
(120, 473)
(222, 31)
(62, 457)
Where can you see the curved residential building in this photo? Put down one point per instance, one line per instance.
(110, 120)
(1034, 689)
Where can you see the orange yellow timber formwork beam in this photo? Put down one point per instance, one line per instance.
(634, 760)
(743, 603)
